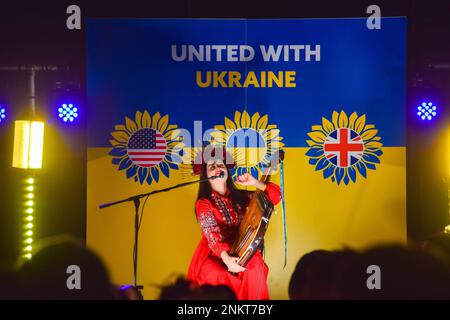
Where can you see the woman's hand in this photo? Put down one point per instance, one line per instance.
(247, 179)
(231, 263)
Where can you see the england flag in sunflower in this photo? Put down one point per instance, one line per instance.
(344, 147)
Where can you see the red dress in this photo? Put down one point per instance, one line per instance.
(219, 223)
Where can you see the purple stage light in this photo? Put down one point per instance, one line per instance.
(2, 114)
(67, 112)
(426, 111)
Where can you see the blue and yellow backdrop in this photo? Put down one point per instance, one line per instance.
(330, 92)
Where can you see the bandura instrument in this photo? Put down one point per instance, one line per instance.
(254, 224)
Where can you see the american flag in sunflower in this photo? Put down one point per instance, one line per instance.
(146, 146)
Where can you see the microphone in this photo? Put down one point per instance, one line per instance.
(221, 175)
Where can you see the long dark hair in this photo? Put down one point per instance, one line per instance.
(239, 198)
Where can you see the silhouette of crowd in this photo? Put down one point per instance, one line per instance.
(383, 272)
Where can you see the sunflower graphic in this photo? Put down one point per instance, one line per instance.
(344, 146)
(251, 140)
(146, 146)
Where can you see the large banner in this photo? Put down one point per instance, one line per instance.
(330, 92)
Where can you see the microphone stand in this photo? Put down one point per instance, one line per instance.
(136, 199)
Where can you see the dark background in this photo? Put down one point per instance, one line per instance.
(36, 33)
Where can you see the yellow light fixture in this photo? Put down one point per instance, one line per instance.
(28, 144)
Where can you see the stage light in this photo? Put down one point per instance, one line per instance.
(426, 111)
(68, 112)
(2, 114)
(28, 218)
(28, 144)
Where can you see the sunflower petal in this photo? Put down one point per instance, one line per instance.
(343, 119)
(262, 123)
(327, 125)
(149, 179)
(254, 120)
(334, 119)
(328, 172)
(316, 128)
(155, 173)
(118, 152)
(142, 173)
(120, 136)
(360, 123)
(138, 118)
(317, 136)
(376, 152)
(131, 126)
(229, 124)
(371, 166)
(369, 134)
(339, 174)
(362, 169)
(172, 165)
(254, 172)
(116, 144)
(314, 152)
(273, 133)
(352, 120)
(155, 119)
(373, 144)
(164, 169)
(352, 173)
(120, 127)
(162, 124)
(219, 136)
(237, 119)
(125, 163)
(146, 120)
(245, 120)
(172, 134)
(321, 164)
(346, 178)
(131, 171)
(368, 157)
